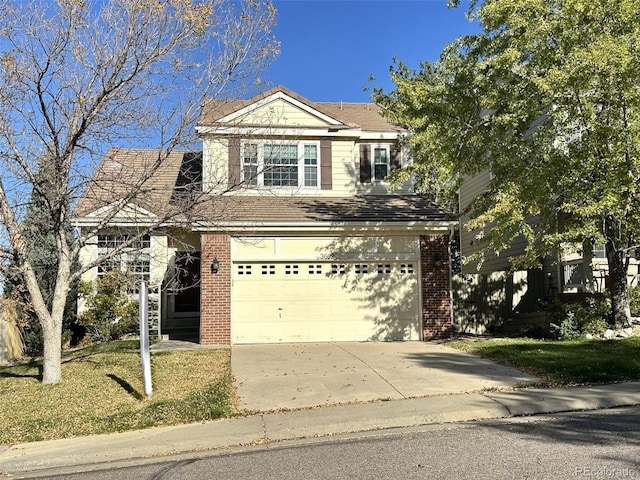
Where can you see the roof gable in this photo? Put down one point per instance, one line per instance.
(281, 107)
(279, 110)
(277, 107)
(129, 212)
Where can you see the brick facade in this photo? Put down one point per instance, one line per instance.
(435, 287)
(215, 303)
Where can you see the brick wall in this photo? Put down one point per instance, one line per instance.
(436, 286)
(215, 303)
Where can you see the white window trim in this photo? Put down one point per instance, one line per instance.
(127, 257)
(300, 144)
(387, 148)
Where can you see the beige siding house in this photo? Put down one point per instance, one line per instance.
(492, 294)
(295, 236)
(489, 293)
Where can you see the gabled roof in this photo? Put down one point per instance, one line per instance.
(365, 116)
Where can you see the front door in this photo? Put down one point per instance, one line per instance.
(183, 299)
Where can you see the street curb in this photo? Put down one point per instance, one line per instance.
(327, 421)
(380, 416)
(555, 400)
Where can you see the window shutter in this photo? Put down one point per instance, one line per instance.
(395, 160)
(326, 165)
(234, 162)
(365, 163)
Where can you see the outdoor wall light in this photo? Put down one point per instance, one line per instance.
(215, 265)
(437, 260)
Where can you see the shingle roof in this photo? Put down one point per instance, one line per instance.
(123, 169)
(269, 208)
(152, 174)
(366, 116)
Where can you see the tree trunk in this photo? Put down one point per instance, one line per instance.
(620, 309)
(52, 326)
(51, 364)
(51, 321)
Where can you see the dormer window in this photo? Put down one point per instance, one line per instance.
(281, 164)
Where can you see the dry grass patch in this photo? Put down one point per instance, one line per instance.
(103, 392)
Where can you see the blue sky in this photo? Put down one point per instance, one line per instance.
(329, 48)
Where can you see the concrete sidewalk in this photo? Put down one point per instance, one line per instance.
(155, 443)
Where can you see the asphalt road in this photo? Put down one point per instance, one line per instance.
(598, 444)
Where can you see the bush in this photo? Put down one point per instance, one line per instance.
(16, 310)
(573, 320)
(13, 345)
(568, 328)
(593, 317)
(110, 308)
(556, 312)
(634, 300)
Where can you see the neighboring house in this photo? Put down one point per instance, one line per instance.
(298, 237)
(488, 294)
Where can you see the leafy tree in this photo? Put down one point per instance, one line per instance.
(78, 76)
(547, 97)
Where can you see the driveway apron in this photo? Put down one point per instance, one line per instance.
(301, 375)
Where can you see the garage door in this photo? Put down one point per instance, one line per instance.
(308, 301)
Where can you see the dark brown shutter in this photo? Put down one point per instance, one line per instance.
(326, 165)
(234, 162)
(396, 161)
(365, 163)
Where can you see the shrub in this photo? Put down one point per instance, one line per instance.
(13, 342)
(591, 317)
(110, 308)
(634, 300)
(556, 312)
(568, 328)
(572, 320)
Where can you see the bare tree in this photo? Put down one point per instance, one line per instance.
(79, 76)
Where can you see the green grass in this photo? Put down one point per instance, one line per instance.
(103, 392)
(564, 362)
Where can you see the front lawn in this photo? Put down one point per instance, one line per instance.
(102, 392)
(564, 362)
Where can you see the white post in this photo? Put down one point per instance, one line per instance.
(145, 356)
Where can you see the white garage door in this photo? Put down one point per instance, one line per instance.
(324, 301)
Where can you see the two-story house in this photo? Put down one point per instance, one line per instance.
(299, 239)
(490, 292)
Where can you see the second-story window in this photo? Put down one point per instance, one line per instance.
(250, 164)
(380, 163)
(280, 164)
(310, 165)
(377, 161)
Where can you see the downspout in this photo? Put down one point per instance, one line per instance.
(451, 228)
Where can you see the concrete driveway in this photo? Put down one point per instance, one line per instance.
(275, 376)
